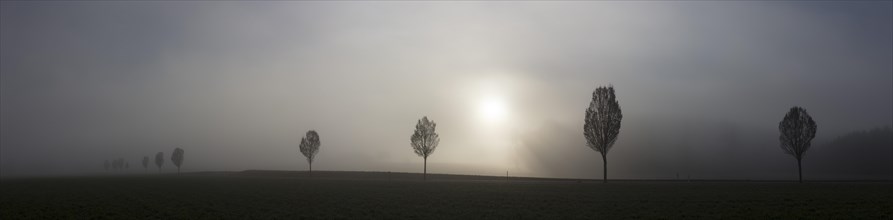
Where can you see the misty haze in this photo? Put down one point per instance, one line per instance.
(468, 109)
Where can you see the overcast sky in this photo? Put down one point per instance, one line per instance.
(702, 85)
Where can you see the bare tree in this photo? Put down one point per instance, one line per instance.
(146, 163)
(106, 165)
(309, 147)
(159, 160)
(177, 158)
(602, 123)
(424, 141)
(797, 130)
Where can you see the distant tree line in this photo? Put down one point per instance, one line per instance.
(116, 164)
(857, 154)
(121, 164)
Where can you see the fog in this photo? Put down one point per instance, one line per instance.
(702, 85)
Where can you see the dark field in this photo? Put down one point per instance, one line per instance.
(335, 195)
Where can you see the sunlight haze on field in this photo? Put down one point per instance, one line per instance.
(702, 85)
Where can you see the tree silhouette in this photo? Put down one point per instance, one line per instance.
(159, 160)
(309, 147)
(602, 123)
(424, 141)
(146, 163)
(797, 130)
(177, 158)
(106, 165)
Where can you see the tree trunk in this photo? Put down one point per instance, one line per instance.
(605, 167)
(178, 170)
(310, 171)
(800, 169)
(425, 170)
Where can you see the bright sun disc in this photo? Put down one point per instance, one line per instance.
(493, 109)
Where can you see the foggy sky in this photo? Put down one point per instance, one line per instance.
(702, 85)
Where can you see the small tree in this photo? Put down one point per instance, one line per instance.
(602, 123)
(159, 160)
(106, 165)
(797, 130)
(309, 147)
(146, 163)
(424, 141)
(177, 158)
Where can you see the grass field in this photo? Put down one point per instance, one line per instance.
(334, 195)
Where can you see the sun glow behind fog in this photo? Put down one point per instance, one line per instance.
(490, 99)
(493, 109)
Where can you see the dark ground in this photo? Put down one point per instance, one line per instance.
(356, 195)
